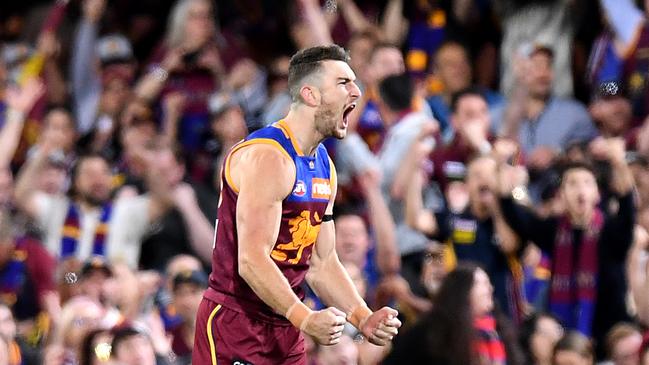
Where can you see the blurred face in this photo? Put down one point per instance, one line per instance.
(135, 350)
(482, 183)
(539, 75)
(338, 95)
(481, 295)
(115, 95)
(360, 49)
(59, 129)
(433, 271)
(7, 324)
(93, 284)
(566, 357)
(579, 192)
(52, 179)
(453, 68)
(199, 26)
(166, 160)
(181, 263)
(613, 114)
(186, 299)
(93, 181)
(548, 333)
(343, 353)
(352, 239)
(230, 127)
(386, 61)
(626, 350)
(472, 109)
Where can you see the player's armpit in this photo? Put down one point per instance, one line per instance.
(264, 177)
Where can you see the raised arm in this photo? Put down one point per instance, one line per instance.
(387, 253)
(86, 83)
(328, 278)
(316, 23)
(20, 101)
(394, 25)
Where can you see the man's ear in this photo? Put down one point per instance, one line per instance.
(310, 95)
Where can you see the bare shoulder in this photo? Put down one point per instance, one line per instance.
(264, 166)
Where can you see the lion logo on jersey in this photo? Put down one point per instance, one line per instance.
(303, 235)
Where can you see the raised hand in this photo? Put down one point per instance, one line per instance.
(93, 10)
(325, 326)
(381, 326)
(22, 99)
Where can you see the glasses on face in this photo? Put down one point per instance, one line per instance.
(435, 257)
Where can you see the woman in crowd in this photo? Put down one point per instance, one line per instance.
(463, 327)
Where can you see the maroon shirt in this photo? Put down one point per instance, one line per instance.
(302, 213)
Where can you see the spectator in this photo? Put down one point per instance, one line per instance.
(385, 60)
(26, 272)
(584, 242)
(543, 122)
(549, 22)
(539, 333)
(101, 71)
(629, 35)
(187, 227)
(611, 111)
(452, 67)
(573, 349)
(94, 273)
(470, 121)
(131, 346)
(404, 126)
(188, 288)
(623, 344)
(78, 317)
(89, 222)
(461, 328)
(477, 232)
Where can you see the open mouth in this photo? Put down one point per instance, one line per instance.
(346, 112)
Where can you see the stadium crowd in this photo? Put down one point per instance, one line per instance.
(493, 185)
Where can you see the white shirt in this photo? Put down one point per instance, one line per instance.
(127, 225)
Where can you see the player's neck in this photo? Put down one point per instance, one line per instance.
(301, 123)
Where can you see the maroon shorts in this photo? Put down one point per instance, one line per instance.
(226, 337)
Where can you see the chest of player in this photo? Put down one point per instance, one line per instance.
(303, 210)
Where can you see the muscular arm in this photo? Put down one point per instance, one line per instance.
(326, 275)
(259, 212)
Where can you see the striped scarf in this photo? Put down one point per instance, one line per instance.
(12, 276)
(71, 232)
(573, 286)
(489, 347)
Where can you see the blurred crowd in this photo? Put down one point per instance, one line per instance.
(493, 185)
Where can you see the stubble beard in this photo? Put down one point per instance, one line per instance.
(326, 123)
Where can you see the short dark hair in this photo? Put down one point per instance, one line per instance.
(470, 91)
(575, 165)
(308, 61)
(396, 92)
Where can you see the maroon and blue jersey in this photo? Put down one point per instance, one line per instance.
(302, 213)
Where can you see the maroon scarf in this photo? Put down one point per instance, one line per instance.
(573, 288)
